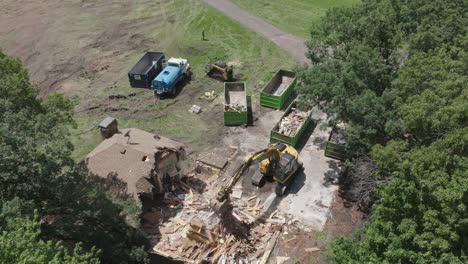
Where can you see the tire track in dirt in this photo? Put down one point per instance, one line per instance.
(292, 44)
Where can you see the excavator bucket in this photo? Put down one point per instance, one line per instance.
(221, 208)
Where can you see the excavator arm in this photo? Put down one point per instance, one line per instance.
(250, 160)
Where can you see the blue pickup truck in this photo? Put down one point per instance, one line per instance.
(177, 69)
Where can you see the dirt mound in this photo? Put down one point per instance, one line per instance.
(63, 40)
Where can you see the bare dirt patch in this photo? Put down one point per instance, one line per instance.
(309, 246)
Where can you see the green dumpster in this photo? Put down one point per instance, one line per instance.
(292, 125)
(334, 147)
(235, 104)
(278, 90)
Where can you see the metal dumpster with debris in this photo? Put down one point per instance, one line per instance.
(291, 126)
(278, 90)
(235, 104)
(335, 146)
(144, 71)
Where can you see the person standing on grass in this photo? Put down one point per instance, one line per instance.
(203, 34)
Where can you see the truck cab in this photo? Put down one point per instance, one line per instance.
(175, 71)
(179, 63)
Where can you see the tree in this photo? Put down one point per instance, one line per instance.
(20, 240)
(357, 53)
(422, 214)
(432, 92)
(36, 167)
(395, 72)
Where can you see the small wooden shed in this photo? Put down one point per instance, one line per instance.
(108, 127)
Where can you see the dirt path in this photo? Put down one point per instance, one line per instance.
(292, 44)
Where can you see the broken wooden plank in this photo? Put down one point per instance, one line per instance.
(171, 255)
(249, 216)
(289, 240)
(198, 237)
(312, 249)
(271, 245)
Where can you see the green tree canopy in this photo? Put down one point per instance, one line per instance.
(36, 167)
(357, 54)
(422, 214)
(396, 72)
(20, 240)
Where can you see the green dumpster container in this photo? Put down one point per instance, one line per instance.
(235, 104)
(278, 90)
(290, 139)
(333, 149)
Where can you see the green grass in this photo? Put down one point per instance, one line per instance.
(293, 16)
(176, 32)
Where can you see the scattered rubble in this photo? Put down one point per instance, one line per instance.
(195, 109)
(337, 136)
(235, 99)
(312, 249)
(208, 96)
(235, 108)
(189, 230)
(290, 124)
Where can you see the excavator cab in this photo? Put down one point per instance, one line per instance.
(279, 161)
(284, 167)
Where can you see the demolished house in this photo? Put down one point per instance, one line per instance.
(136, 163)
(188, 228)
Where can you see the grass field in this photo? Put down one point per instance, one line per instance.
(293, 16)
(84, 49)
(175, 28)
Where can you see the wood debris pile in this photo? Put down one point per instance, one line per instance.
(235, 108)
(195, 233)
(291, 123)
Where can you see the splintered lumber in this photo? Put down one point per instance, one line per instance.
(196, 233)
(289, 240)
(222, 249)
(249, 216)
(172, 256)
(198, 237)
(271, 245)
(290, 123)
(312, 249)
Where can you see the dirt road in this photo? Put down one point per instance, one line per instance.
(292, 44)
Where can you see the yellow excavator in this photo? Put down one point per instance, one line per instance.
(219, 70)
(279, 161)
